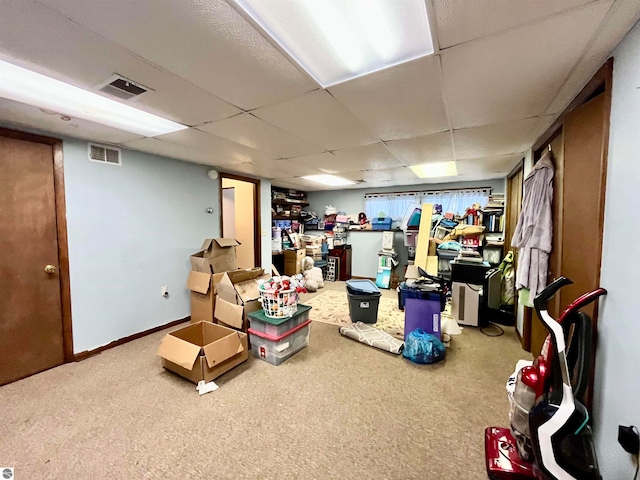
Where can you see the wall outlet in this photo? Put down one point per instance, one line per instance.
(164, 290)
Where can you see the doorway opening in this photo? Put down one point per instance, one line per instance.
(240, 216)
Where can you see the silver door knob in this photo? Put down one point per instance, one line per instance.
(50, 269)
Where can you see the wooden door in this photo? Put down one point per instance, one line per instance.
(578, 209)
(514, 205)
(31, 326)
(583, 206)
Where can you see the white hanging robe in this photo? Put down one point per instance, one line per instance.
(534, 232)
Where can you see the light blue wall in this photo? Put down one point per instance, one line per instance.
(352, 200)
(131, 230)
(617, 387)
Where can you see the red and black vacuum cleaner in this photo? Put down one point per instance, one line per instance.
(550, 436)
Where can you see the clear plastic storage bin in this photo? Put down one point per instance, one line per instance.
(276, 349)
(275, 327)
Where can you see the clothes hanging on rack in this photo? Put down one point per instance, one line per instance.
(534, 232)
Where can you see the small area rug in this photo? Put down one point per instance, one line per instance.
(333, 307)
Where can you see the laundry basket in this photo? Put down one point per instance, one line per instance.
(283, 303)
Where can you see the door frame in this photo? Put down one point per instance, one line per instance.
(257, 237)
(61, 222)
(509, 229)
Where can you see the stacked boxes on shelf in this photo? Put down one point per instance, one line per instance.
(313, 246)
(276, 339)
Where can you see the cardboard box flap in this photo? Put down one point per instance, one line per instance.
(179, 351)
(248, 290)
(199, 282)
(226, 242)
(206, 244)
(243, 275)
(228, 313)
(223, 349)
(226, 287)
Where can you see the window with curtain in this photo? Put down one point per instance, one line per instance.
(395, 205)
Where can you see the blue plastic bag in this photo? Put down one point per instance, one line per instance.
(423, 348)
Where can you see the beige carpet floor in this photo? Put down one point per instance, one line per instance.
(337, 409)
(332, 307)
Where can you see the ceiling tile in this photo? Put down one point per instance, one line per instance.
(171, 150)
(320, 119)
(390, 174)
(275, 169)
(425, 149)
(369, 157)
(400, 102)
(516, 74)
(459, 21)
(298, 184)
(501, 164)
(619, 20)
(494, 140)
(288, 168)
(541, 126)
(207, 43)
(252, 132)
(38, 38)
(475, 177)
(221, 150)
(32, 117)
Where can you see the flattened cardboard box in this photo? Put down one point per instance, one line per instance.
(203, 351)
(220, 255)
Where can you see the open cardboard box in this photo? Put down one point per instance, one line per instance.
(203, 295)
(240, 287)
(217, 255)
(203, 351)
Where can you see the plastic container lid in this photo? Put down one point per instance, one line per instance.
(259, 315)
(279, 337)
(362, 287)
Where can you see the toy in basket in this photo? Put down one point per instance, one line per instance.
(279, 296)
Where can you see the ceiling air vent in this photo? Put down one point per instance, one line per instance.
(102, 154)
(121, 87)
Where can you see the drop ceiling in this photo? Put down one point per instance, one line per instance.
(502, 71)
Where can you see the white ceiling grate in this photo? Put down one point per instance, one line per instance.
(121, 87)
(103, 154)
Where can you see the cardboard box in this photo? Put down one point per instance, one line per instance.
(201, 264)
(293, 261)
(203, 351)
(220, 254)
(203, 298)
(240, 287)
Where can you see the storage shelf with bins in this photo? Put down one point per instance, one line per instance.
(286, 205)
(493, 219)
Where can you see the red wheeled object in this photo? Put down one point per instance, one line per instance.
(550, 437)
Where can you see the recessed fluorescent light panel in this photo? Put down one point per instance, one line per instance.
(337, 40)
(430, 170)
(25, 86)
(330, 180)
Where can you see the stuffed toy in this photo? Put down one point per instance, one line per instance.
(312, 275)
